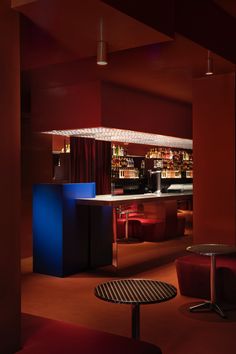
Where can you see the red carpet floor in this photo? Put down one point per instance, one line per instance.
(41, 335)
(168, 325)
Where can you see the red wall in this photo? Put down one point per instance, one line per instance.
(66, 107)
(9, 180)
(36, 163)
(91, 104)
(214, 159)
(129, 109)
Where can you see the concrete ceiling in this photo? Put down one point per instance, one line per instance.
(139, 56)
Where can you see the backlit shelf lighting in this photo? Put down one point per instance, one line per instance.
(125, 136)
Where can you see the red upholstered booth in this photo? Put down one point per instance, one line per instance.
(193, 272)
(45, 336)
(145, 228)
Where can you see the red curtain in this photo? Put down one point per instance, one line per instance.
(103, 167)
(82, 151)
(91, 162)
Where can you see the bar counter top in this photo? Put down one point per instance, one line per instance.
(113, 200)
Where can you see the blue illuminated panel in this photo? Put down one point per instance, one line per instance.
(60, 246)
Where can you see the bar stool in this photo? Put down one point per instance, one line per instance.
(128, 212)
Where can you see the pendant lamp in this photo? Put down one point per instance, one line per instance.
(101, 47)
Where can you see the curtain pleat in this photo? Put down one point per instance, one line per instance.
(91, 162)
(82, 159)
(103, 167)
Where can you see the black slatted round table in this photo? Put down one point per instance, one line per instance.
(135, 292)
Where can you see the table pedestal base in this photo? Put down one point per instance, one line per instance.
(135, 321)
(208, 306)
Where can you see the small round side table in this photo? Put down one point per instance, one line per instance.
(135, 292)
(211, 250)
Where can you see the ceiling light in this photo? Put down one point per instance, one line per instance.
(126, 136)
(209, 70)
(101, 47)
(102, 53)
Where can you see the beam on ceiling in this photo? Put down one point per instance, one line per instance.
(158, 14)
(202, 21)
(205, 23)
(17, 3)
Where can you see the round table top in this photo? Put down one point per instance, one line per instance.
(211, 249)
(135, 291)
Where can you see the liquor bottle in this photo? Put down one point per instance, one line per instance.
(113, 150)
(117, 150)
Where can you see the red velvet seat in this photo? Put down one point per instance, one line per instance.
(146, 228)
(152, 230)
(45, 336)
(181, 222)
(129, 214)
(193, 272)
(134, 228)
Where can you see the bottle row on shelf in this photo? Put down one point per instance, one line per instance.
(176, 174)
(169, 154)
(128, 162)
(136, 173)
(121, 173)
(173, 163)
(129, 173)
(118, 161)
(118, 150)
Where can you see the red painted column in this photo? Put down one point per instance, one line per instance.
(9, 180)
(214, 159)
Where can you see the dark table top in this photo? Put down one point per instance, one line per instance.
(210, 249)
(135, 291)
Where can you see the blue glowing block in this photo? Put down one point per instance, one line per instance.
(59, 244)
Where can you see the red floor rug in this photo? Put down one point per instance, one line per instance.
(45, 336)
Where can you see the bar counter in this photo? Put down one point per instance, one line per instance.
(75, 230)
(115, 200)
(103, 212)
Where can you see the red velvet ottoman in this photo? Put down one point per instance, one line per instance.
(227, 278)
(134, 228)
(152, 230)
(45, 336)
(181, 221)
(193, 272)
